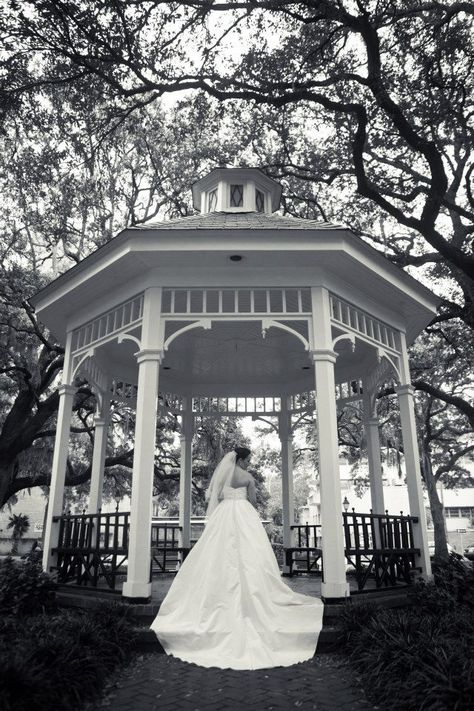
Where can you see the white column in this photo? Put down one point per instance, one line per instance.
(288, 504)
(405, 393)
(334, 564)
(185, 475)
(138, 585)
(58, 474)
(371, 426)
(413, 475)
(101, 423)
(58, 469)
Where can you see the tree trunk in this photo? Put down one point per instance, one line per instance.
(437, 511)
(7, 470)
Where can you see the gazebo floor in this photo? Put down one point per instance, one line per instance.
(87, 597)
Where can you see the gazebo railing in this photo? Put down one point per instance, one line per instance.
(379, 549)
(306, 552)
(92, 548)
(166, 552)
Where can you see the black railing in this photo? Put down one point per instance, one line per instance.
(379, 549)
(166, 552)
(92, 547)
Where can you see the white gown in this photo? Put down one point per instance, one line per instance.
(228, 606)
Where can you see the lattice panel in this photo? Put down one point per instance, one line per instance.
(357, 320)
(236, 301)
(250, 405)
(111, 322)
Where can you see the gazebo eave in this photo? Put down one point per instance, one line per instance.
(282, 258)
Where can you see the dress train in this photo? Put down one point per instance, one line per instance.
(228, 606)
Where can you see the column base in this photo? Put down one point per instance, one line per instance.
(333, 591)
(49, 561)
(136, 592)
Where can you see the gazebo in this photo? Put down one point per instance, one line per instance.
(236, 310)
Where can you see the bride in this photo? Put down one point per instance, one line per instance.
(228, 606)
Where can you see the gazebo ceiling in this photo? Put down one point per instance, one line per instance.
(233, 358)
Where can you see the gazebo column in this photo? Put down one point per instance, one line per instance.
(101, 424)
(58, 469)
(185, 476)
(334, 585)
(138, 586)
(405, 393)
(371, 427)
(288, 505)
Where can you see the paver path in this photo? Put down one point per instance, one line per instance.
(157, 682)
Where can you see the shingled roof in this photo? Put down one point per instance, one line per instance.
(238, 220)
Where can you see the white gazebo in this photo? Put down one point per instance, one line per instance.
(235, 309)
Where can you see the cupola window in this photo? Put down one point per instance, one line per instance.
(236, 195)
(259, 201)
(212, 200)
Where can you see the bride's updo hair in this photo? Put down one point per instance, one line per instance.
(241, 452)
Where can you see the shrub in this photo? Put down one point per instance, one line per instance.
(431, 598)
(59, 661)
(417, 658)
(354, 616)
(25, 588)
(455, 579)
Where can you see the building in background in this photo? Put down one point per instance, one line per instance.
(458, 503)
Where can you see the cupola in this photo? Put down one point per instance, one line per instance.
(236, 190)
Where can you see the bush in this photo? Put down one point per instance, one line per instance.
(455, 579)
(431, 598)
(420, 657)
(24, 588)
(355, 616)
(59, 661)
(415, 661)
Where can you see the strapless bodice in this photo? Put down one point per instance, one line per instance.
(230, 493)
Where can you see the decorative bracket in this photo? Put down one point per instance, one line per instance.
(382, 354)
(205, 323)
(128, 337)
(271, 323)
(346, 337)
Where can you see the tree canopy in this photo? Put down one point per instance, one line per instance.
(382, 89)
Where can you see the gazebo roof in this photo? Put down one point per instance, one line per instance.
(199, 251)
(239, 221)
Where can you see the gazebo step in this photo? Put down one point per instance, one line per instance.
(330, 639)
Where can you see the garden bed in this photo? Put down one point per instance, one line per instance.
(419, 657)
(50, 658)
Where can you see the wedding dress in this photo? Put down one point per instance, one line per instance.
(228, 606)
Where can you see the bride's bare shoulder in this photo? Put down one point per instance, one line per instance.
(242, 476)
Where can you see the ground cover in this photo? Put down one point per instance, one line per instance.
(418, 657)
(52, 658)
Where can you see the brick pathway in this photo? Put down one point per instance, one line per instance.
(157, 682)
